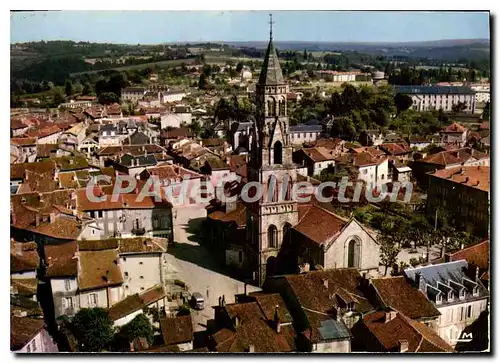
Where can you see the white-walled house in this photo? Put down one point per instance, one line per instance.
(316, 159)
(302, 133)
(83, 279)
(29, 335)
(124, 311)
(373, 169)
(172, 96)
(127, 216)
(459, 297)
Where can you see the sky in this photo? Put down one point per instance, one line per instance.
(152, 27)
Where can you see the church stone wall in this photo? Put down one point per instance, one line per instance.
(337, 255)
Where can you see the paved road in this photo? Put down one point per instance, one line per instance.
(193, 264)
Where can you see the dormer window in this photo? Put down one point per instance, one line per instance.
(350, 307)
(475, 291)
(450, 296)
(439, 299)
(462, 294)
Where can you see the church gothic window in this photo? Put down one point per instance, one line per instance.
(353, 252)
(271, 107)
(272, 189)
(287, 232)
(286, 187)
(282, 108)
(272, 236)
(278, 153)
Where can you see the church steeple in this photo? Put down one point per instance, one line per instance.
(271, 165)
(271, 74)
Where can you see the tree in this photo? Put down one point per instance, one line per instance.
(184, 310)
(402, 102)
(486, 111)
(139, 327)
(195, 127)
(458, 107)
(201, 82)
(108, 98)
(57, 98)
(68, 88)
(92, 329)
(239, 67)
(389, 250)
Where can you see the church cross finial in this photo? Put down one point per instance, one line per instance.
(271, 22)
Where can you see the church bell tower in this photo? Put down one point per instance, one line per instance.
(270, 219)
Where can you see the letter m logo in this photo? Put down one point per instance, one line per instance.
(466, 335)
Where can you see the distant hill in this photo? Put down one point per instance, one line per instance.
(448, 49)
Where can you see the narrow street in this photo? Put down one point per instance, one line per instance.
(191, 263)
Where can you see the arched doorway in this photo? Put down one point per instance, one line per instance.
(272, 236)
(278, 152)
(353, 253)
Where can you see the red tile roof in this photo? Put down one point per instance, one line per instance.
(472, 176)
(17, 171)
(254, 328)
(318, 224)
(395, 149)
(238, 215)
(442, 158)
(135, 302)
(23, 257)
(398, 294)
(420, 338)
(485, 125)
(61, 260)
(318, 154)
(23, 330)
(177, 330)
(362, 159)
(121, 201)
(454, 128)
(23, 141)
(16, 124)
(99, 269)
(172, 172)
(45, 131)
(477, 255)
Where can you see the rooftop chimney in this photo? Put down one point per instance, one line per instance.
(19, 249)
(251, 348)
(389, 315)
(236, 322)
(277, 322)
(419, 281)
(325, 282)
(403, 346)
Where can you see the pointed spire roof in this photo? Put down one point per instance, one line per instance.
(271, 74)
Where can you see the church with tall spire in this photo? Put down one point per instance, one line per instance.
(270, 219)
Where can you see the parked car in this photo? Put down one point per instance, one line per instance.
(197, 301)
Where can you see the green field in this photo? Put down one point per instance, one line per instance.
(166, 64)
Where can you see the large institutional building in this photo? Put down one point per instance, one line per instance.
(426, 98)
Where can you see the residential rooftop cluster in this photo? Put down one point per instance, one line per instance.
(153, 274)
